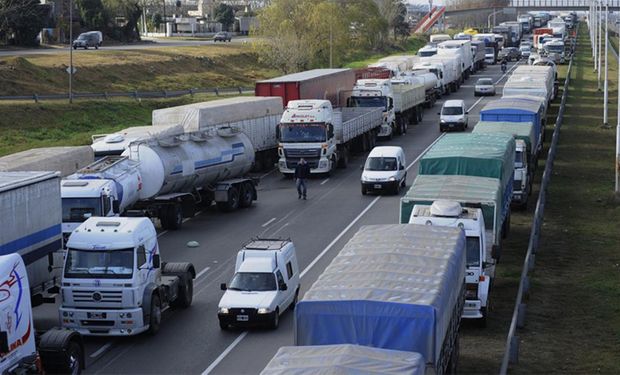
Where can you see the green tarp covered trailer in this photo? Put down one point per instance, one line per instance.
(520, 130)
(470, 191)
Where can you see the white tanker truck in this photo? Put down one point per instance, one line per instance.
(164, 178)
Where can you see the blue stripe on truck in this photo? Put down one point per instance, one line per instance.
(32, 239)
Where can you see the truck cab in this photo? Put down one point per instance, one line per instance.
(265, 284)
(522, 175)
(480, 267)
(306, 131)
(113, 283)
(376, 93)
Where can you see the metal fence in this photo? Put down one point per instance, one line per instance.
(511, 353)
(138, 95)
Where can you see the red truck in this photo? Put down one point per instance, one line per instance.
(330, 84)
(373, 73)
(538, 32)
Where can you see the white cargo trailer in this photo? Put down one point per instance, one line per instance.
(66, 160)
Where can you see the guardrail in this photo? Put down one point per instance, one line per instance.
(511, 353)
(138, 95)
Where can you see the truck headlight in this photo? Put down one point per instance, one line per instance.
(392, 178)
(364, 178)
(223, 310)
(323, 164)
(442, 121)
(263, 310)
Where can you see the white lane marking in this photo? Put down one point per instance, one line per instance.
(225, 353)
(242, 335)
(345, 230)
(282, 227)
(324, 181)
(475, 104)
(101, 350)
(269, 222)
(202, 272)
(268, 173)
(424, 152)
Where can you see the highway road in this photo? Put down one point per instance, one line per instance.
(153, 43)
(190, 341)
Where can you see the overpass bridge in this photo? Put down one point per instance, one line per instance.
(463, 7)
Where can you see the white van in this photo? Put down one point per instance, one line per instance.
(384, 170)
(453, 115)
(265, 284)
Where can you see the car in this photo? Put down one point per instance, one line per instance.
(222, 36)
(525, 50)
(89, 39)
(484, 86)
(385, 170)
(264, 286)
(509, 53)
(453, 115)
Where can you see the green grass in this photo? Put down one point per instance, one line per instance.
(27, 125)
(410, 46)
(573, 316)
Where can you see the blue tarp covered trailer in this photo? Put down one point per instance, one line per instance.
(397, 287)
(516, 109)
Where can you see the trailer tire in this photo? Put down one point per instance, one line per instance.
(343, 161)
(61, 352)
(172, 217)
(233, 201)
(186, 292)
(155, 316)
(247, 195)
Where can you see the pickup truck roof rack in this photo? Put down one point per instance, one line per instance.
(258, 243)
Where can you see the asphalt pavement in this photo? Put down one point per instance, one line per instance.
(190, 341)
(151, 43)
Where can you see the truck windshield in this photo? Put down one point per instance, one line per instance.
(77, 210)
(489, 50)
(99, 264)
(554, 49)
(369, 101)
(519, 159)
(381, 164)
(302, 132)
(452, 111)
(427, 53)
(257, 282)
(473, 251)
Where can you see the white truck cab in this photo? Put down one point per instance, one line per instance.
(453, 115)
(113, 283)
(384, 170)
(376, 93)
(522, 187)
(480, 266)
(265, 284)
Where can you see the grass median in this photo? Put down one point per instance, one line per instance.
(573, 314)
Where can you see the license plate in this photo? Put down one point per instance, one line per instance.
(470, 304)
(451, 125)
(96, 315)
(242, 318)
(377, 186)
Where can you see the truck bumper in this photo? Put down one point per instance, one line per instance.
(385, 131)
(472, 309)
(323, 166)
(103, 322)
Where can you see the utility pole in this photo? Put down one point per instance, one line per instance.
(71, 52)
(605, 90)
(600, 44)
(165, 22)
(594, 33)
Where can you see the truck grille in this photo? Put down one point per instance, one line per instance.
(98, 296)
(293, 155)
(516, 185)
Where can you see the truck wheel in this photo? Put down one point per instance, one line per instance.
(223, 326)
(155, 318)
(172, 217)
(61, 352)
(247, 195)
(186, 292)
(233, 201)
(364, 191)
(275, 322)
(482, 322)
(343, 161)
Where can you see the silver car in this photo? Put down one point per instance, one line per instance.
(484, 86)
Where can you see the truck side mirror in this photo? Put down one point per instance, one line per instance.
(223, 286)
(402, 167)
(156, 261)
(278, 132)
(116, 206)
(283, 287)
(4, 342)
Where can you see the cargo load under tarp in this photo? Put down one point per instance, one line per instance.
(483, 155)
(520, 130)
(67, 160)
(391, 286)
(343, 359)
(469, 191)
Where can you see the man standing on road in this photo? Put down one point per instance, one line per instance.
(302, 171)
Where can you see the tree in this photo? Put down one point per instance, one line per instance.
(393, 11)
(22, 20)
(225, 15)
(130, 11)
(93, 14)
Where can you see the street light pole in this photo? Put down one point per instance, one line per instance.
(600, 44)
(71, 52)
(594, 35)
(605, 90)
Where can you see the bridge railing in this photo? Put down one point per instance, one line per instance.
(550, 4)
(457, 5)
